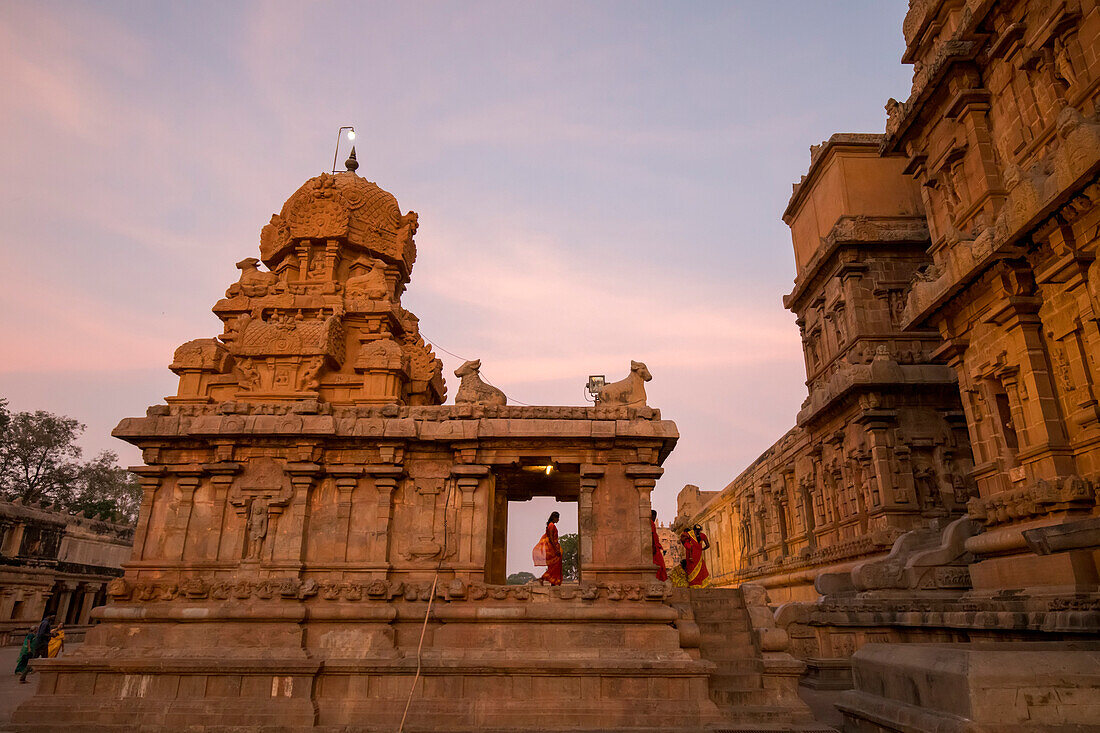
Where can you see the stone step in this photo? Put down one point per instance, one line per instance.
(730, 626)
(721, 681)
(731, 663)
(724, 614)
(735, 639)
(739, 718)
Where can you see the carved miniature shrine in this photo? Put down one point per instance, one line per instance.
(306, 489)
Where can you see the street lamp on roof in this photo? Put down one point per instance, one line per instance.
(339, 134)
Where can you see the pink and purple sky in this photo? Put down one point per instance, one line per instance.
(596, 182)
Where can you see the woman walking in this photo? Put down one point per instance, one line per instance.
(658, 552)
(695, 567)
(548, 552)
(25, 652)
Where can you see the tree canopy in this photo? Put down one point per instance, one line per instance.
(570, 556)
(40, 461)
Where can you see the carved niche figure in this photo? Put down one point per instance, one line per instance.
(257, 528)
(254, 283)
(472, 390)
(629, 391)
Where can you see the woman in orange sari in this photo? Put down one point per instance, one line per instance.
(695, 567)
(658, 551)
(548, 552)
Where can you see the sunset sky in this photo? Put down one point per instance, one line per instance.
(596, 182)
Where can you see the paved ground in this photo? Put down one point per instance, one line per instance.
(821, 703)
(12, 693)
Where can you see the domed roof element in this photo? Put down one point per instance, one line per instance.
(340, 206)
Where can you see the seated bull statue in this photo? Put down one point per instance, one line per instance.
(471, 390)
(629, 391)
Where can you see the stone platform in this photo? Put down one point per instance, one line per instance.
(495, 658)
(1027, 687)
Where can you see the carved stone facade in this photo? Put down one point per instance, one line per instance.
(880, 446)
(1002, 134)
(55, 563)
(318, 532)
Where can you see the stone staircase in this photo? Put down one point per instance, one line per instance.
(755, 691)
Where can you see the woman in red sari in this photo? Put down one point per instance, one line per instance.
(658, 551)
(695, 567)
(548, 552)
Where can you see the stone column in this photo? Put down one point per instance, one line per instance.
(149, 477)
(386, 478)
(290, 523)
(347, 481)
(187, 481)
(473, 521)
(221, 478)
(88, 602)
(65, 598)
(645, 478)
(586, 520)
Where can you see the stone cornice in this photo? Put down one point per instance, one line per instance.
(819, 154)
(853, 231)
(876, 376)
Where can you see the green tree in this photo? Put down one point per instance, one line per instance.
(570, 556)
(520, 578)
(41, 461)
(103, 487)
(39, 457)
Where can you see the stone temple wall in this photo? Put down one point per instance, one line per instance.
(880, 445)
(52, 562)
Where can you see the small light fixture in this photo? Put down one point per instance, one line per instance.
(596, 382)
(339, 134)
(549, 469)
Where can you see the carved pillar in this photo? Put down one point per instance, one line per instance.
(149, 477)
(187, 482)
(88, 602)
(586, 519)
(347, 481)
(64, 599)
(290, 522)
(221, 478)
(645, 478)
(386, 478)
(473, 518)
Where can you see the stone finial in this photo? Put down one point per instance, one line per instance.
(352, 163)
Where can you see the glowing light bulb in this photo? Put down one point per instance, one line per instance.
(549, 469)
(351, 134)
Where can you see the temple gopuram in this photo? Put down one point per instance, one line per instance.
(322, 542)
(928, 532)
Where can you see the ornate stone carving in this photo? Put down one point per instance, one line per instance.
(629, 391)
(473, 390)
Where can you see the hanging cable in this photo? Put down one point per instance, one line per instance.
(435, 344)
(428, 611)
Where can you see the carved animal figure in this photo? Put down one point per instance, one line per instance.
(254, 283)
(371, 284)
(473, 390)
(629, 391)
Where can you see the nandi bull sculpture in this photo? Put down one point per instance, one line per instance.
(471, 390)
(630, 391)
